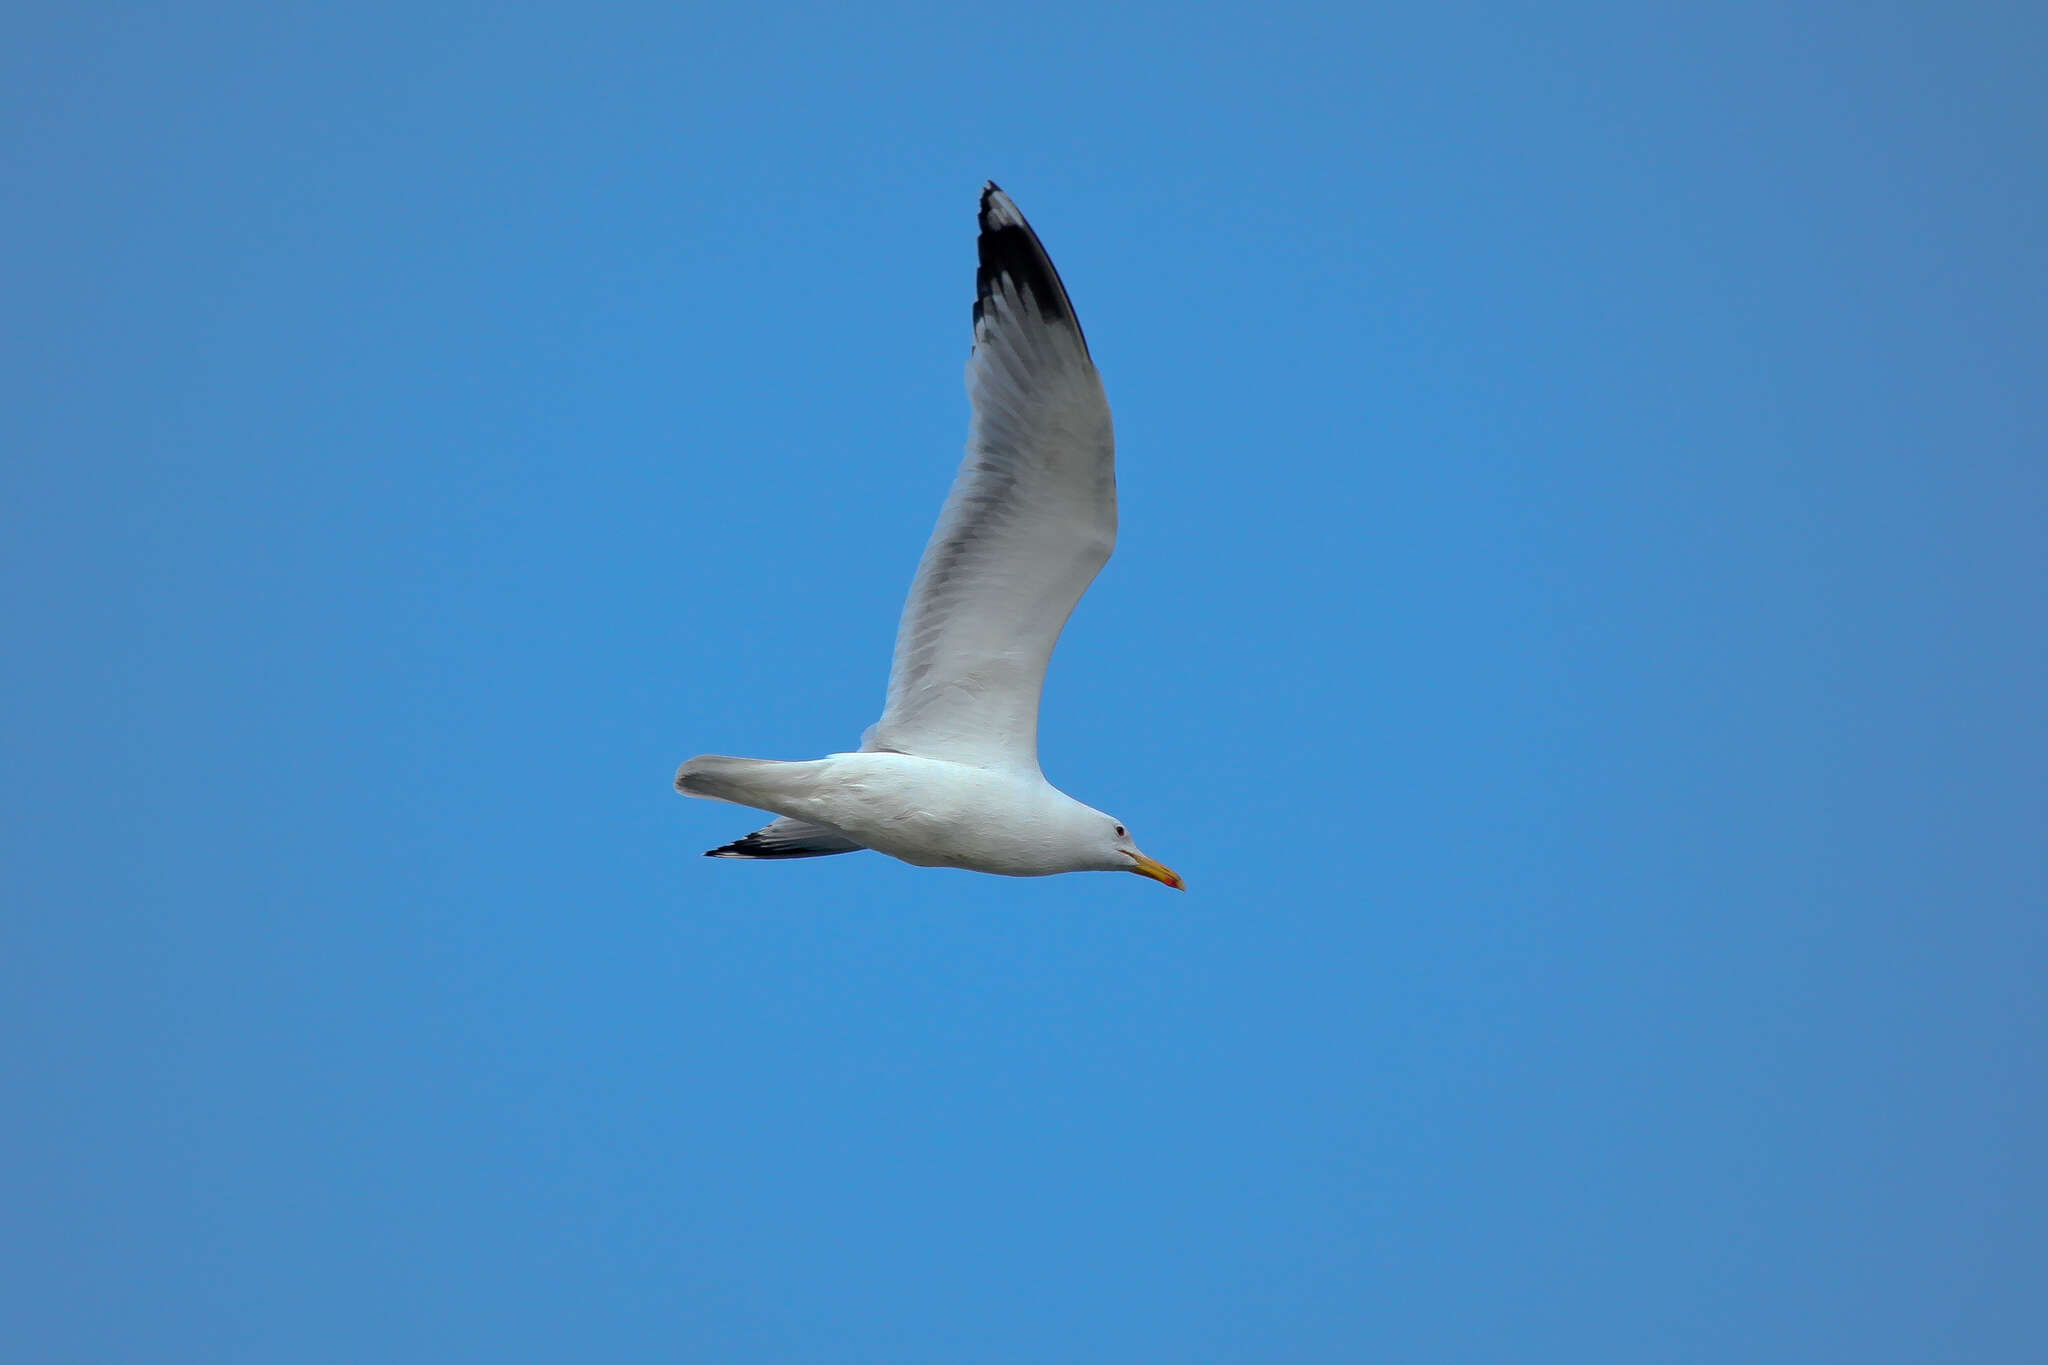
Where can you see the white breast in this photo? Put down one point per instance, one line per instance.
(936, 813)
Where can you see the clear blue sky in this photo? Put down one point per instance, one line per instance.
(1579, 628)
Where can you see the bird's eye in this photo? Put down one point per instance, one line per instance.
(1119, 831)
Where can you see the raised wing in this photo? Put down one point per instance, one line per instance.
(1031, 519)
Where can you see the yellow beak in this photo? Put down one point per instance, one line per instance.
(1158, 872)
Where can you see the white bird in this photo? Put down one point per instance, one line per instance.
(949, 776)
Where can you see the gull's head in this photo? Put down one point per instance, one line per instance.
(1119, 854)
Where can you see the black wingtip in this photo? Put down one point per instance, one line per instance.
(990, 193)
(756, 847)
(1008, 246)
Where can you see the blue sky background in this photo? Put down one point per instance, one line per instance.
(1579, 628)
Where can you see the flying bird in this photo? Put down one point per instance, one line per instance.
(949, 776)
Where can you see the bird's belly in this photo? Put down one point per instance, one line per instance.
(934, 814)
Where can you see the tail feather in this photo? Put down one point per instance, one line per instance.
(717, 777)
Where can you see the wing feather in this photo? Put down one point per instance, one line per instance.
(788, 838)
(1030, 521)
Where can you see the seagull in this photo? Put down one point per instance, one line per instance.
(949, 776)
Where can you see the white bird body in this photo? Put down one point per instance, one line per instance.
(929, 812)
(949, 776)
